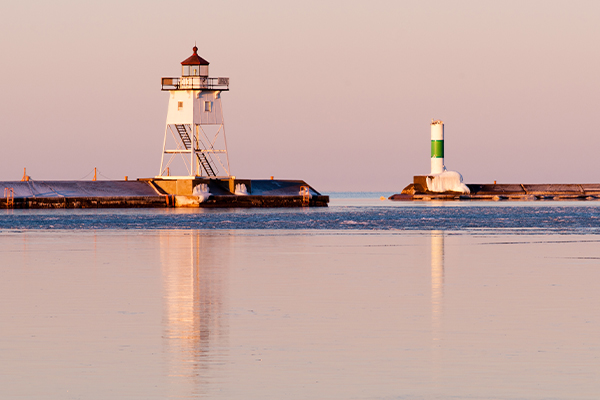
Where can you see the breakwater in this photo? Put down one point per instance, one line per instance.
(159, 193)
(524, 192)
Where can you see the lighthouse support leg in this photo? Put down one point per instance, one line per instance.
(162, 158)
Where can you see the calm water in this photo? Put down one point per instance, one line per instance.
(363, 300)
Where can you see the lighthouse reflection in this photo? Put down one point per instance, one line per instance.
(194, 284)
(437, 282)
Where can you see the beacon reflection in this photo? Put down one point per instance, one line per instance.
(437, 282)
(194, 274)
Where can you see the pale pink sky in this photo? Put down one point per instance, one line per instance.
(338, 93)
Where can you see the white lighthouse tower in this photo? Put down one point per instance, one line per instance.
(440, 179)
(194, 144)
(437, 147)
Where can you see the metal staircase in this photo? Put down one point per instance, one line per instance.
(187, 143)
(185, 137)
(206, 164)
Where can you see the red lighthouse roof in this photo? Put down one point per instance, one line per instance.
(194, 59)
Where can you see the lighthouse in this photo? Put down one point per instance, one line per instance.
(437, 147)
(440, 179)
(194, 143)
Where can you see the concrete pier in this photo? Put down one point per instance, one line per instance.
(158, 193)
(503, 191)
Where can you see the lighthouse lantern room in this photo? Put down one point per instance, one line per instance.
(194, 144)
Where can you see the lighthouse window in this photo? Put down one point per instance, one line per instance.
(179, 105)
(191, 70)
(208, 106)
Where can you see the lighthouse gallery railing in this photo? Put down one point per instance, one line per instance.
(195, 83)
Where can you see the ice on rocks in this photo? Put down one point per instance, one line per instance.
(241, 190)
(201, 191)
(447, 181)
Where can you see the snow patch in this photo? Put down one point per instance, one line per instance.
(201, 191)
(240, 189)
(447, 181)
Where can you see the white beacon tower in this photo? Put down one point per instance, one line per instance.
(440, 179)
(194, 144)
(437, 147)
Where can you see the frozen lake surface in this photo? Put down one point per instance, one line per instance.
(95, 305)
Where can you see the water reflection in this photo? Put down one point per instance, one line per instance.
(437, 304)
(195, 285)
(437, 282)
(297, 315)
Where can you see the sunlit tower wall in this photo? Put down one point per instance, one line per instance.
(437, 147)
(194, 143)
